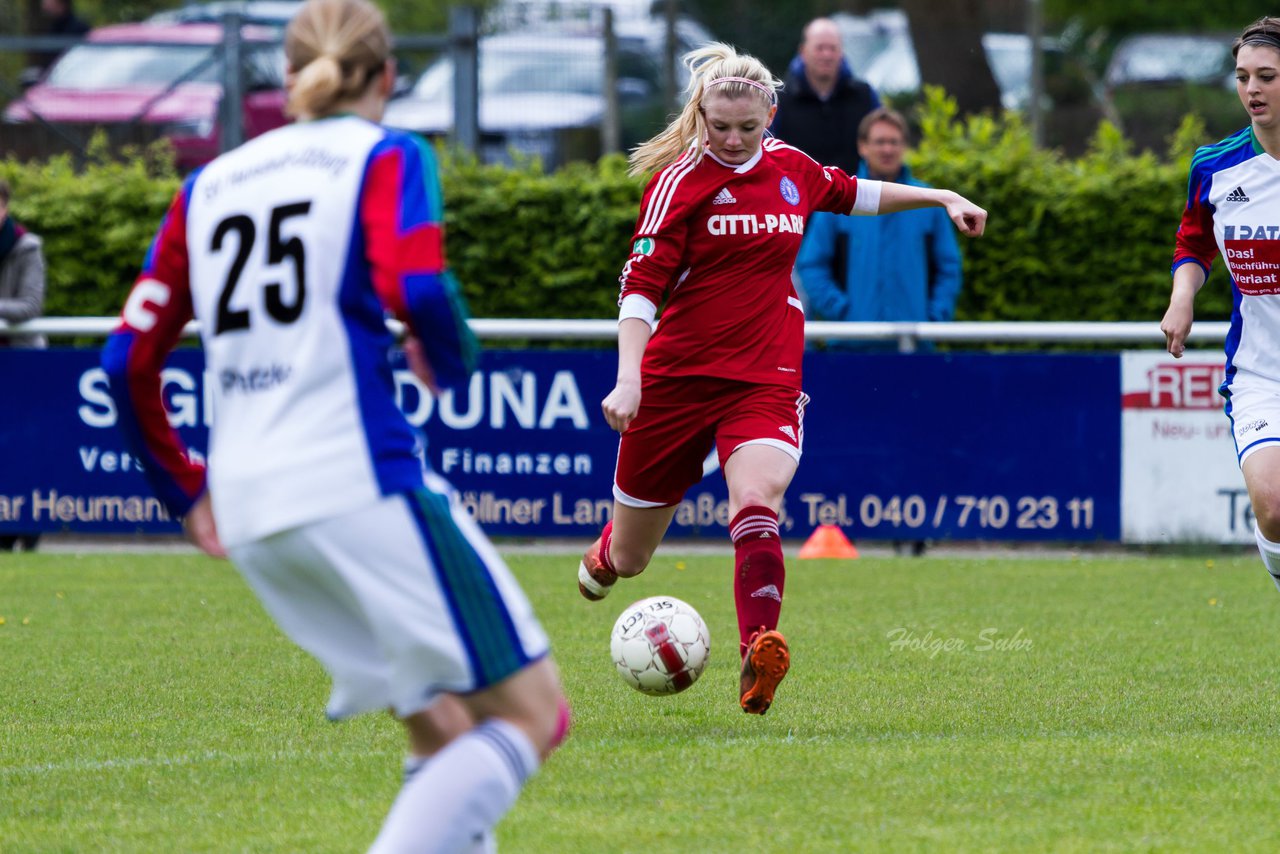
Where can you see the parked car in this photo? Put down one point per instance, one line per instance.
(542, 91)
(864, 37)
(515, 15)
(266, 13)
(1153, 80)
(880, 50)
(1172, 58)
(165, 79)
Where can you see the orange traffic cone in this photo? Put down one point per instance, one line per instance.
(828, 541)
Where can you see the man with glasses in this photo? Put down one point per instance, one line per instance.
(900, 267)
(904, 266)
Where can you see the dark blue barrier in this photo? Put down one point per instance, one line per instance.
(926, 446)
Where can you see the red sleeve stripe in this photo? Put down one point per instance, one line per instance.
(394, 251)
(157, 309)
(1195, 240)
(167, 259)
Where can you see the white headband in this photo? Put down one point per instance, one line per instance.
(747, 80)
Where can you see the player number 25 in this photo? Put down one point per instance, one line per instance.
(278, 250)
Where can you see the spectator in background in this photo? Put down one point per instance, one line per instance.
(21, 299)
(882, 268)
(63, 21)
(62, 17)
(822, 103)
(21, 273)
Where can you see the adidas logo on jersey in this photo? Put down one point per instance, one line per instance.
(1237, 195)
(724, 197)
(790, 434)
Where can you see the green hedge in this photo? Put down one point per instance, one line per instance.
(1084, 239)
(1068, 239)
(527, 244)
(96, 222)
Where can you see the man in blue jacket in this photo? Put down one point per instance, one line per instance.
(904, 266)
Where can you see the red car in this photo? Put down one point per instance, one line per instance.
(165, 79)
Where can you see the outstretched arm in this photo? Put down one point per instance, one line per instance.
(970, 219)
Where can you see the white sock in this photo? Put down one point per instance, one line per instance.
(412, 765)
(1270, 554)
(448, 804)
(485, 843)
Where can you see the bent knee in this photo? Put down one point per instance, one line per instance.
(545, 724)
(629, 563)
(532, 700)
(1267, 517)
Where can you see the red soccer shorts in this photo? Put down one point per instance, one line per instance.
(681, 418)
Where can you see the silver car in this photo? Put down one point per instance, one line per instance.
(542, 93)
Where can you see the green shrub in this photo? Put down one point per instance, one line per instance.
(1086, 239)
(96, 222)
(529, 244)
(1068, 239)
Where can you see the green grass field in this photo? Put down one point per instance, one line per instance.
(147, 704)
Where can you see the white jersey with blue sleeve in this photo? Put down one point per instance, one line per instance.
(290, 251)
(1233, 210)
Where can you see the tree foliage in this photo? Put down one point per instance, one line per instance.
(1087, 238)
(1068, 239)
(1123, 17)
(96, 222)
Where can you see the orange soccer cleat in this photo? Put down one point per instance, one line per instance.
(763, 667)
(595, 580)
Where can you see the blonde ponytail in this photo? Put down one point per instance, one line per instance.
(688, 131)
(335, 48)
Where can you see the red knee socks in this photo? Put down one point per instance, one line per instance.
(759, 573)
(605, 537)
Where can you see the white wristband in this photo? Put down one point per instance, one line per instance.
(868, 201)
(634, 305)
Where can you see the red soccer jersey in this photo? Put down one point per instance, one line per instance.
(718, 243)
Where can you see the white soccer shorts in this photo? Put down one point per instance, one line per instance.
(401, 601)
(1254, 410)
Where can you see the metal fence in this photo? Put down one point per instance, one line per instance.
(908, 335)
(566, 86)
(30, 130)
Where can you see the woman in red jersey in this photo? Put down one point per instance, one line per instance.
(719, 228)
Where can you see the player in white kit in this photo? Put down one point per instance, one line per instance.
(1233, 209)
(290, 251)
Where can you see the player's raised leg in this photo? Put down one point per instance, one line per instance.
(758, 475)
(623, 549)
(1262, 477)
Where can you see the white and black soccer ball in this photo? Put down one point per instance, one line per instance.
(660, 645)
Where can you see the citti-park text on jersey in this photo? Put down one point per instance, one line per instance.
(729, 224)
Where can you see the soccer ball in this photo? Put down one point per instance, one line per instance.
(660, 645)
